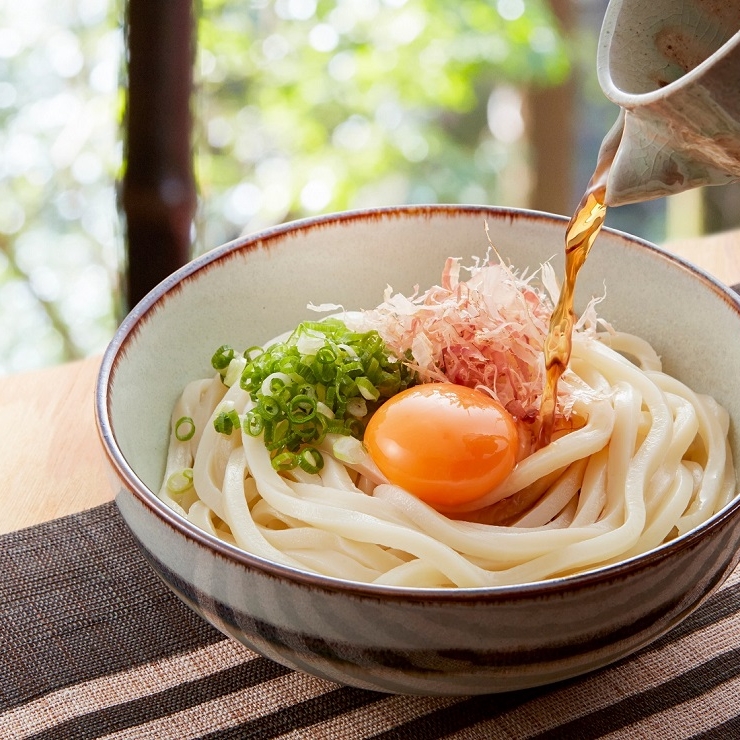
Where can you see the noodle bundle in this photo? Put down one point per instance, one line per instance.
(639, 459)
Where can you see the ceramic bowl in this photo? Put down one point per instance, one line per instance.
(424, 641)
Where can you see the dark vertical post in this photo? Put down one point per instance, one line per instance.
(158, 194)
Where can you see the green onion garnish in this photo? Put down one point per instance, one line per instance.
(367, 389)
(285, 461)
(268, 407)
(226, 422)
(180, 481)
(310, 460)
(222, 357)
(253, 423)
(302, 408)
(251, 352)
(323, 378)
(186, 433)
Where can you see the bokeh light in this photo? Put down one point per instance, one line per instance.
(300, 107)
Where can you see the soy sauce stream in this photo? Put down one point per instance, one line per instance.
(580, 235)
(582, 231)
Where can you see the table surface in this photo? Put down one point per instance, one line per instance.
(51, 457)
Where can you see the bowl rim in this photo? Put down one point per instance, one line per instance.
(148, 498)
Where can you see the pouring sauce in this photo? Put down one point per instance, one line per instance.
(580, 235)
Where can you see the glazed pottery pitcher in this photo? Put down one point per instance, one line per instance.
(673, 67)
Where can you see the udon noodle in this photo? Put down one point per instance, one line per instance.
(640, 458)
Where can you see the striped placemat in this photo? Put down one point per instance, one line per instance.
(92, 645)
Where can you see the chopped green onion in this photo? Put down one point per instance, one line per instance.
(310, 460)
(331, 398)
(372, 370)
(326, 356)
(234, 371)
(352, 367)
(226, 422)
(355, 428)
(324, 410)
(268, 407)
(288, 364)
(276, 435)
(184, 434)
(321, 426)
(349, 450)
(337, 427)
(253, 352)
(323, 378)
(253, 424)
(367, 389)
(301, 408)
(306, 373)
(222, 357)
(276, 385)
(345, 387)
(285, 461)
(308, 432)
(357, 407)
(180, 481)
(323, 372)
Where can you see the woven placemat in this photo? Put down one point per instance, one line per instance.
(93, 645)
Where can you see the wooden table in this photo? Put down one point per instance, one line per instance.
(50, 456)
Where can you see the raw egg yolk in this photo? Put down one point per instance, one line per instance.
(445, 443)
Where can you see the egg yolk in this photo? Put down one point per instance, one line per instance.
(445, 443)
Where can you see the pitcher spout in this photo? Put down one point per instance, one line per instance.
(673, 70)
(651, 161)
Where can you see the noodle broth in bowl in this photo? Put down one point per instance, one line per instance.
(446, 575)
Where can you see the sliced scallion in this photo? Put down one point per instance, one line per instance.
(184, 428)
(251, 353)
(310, 460)
(253, 424)
(285, 461)
(226, 422)
(222, 357)
(302, 408)
(367, 390)
(180, 481)
(268, 407)
(322, 379)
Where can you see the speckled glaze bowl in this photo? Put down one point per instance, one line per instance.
(426, 641)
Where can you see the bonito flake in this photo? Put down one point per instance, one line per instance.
(487, 331)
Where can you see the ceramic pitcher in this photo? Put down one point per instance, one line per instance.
(673, 67)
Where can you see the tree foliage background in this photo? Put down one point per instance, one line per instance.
(301, 107)
(313, 105)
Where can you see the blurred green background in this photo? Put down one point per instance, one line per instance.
(301, 107)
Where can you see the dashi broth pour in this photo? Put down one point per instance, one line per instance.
(583, 228)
